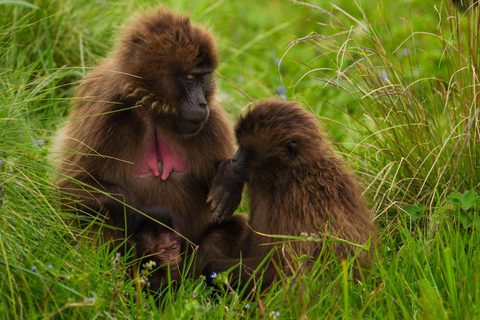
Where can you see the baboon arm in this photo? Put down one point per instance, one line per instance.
(226, 192)
(91, 197)
(221, 241)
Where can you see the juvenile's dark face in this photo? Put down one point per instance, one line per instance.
(273, 137)
(250, 158)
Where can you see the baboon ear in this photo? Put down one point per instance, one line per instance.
(292, 149)
(137, 45)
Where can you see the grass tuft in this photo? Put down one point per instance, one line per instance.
(413, 110)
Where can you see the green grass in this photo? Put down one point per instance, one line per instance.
(394, 83)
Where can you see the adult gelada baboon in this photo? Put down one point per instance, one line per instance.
(146, 130)
(295, 187)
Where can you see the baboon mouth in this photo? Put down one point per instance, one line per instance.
(188, 128)
(159, 155)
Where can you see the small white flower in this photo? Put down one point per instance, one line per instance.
(150, 265)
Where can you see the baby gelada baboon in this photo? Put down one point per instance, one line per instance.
(156, 235)
(295, 186)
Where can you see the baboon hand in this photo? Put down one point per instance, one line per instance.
(225, 194)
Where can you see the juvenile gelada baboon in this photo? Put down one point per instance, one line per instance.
(146, 130)
(295, 186)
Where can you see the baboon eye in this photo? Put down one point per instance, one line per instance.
(138, 41)
(190, 78)
(204, 77)
(292, 149)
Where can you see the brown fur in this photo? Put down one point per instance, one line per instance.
(222, 241)
(312, 193)
(156, 236)
(121, 102)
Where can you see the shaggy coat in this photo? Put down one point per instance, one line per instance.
(310, 193)
(131, 100)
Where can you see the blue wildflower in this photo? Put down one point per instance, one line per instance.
(275, 314)
(50, 266)
(1, 163)
(247, 306)
(283, 96)
(276, 62)
(281, 90)
(223, 96)
(38, 143)
(384, 75)
(214, 275)
(34, 268)
(92, 299)
(240, 79)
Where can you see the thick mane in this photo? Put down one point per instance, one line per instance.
(270, 115)
(172, 38)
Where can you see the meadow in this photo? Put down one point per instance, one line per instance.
(395, 86)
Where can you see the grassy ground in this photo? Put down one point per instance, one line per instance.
(394, 83)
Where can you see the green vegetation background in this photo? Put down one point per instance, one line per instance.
(395, 85)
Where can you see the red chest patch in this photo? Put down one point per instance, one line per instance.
(157, 152)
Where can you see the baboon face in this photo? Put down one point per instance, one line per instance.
(192, 106)
(163, 248)
(275, 136)
(251, 158)
(174, 61)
